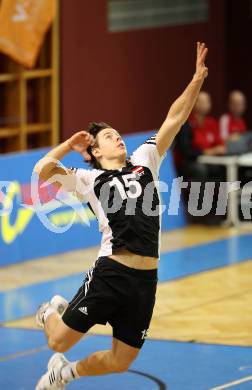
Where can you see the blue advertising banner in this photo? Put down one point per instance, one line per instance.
(23, 236)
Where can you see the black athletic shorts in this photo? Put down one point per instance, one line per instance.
(114, 293)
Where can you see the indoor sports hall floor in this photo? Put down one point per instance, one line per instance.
(201, 333)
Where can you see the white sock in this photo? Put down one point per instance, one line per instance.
(74, 368)
(48, 312)
(69, 372)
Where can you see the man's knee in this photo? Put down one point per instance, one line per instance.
(121, 366)
(58, 346)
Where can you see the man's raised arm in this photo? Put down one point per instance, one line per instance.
(48, 167)
(182, 107)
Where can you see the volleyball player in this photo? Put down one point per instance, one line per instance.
(120, 287)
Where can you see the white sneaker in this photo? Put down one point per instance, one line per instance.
(52, 379)
(57, 302)
(40, 314)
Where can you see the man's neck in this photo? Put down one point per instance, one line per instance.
(235, 116)
(200, 118)
(113, 164)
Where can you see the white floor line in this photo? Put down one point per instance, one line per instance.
(23, 353)
(231, 384)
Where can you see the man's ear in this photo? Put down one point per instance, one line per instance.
(96, 152)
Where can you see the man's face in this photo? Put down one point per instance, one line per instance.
(203, 104)
(237, 103)
(109, 145)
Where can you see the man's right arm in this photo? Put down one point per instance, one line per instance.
(48, 167)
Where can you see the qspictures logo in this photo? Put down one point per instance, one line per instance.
(59, 209)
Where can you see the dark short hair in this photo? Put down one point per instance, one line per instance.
(94, 128)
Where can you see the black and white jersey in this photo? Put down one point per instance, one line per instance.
(126, 202)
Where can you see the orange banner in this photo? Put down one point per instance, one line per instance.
(23, 24)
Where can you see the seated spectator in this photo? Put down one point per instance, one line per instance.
(200, 135)
(205, 129)
(232, 124)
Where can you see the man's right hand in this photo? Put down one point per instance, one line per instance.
(80, 141)
(234, 137)
(218, 150)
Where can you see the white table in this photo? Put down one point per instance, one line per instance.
(232, 164)
(245, 160)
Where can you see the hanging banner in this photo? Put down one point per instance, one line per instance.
(23, 24)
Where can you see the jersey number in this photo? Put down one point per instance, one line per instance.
(129, 181)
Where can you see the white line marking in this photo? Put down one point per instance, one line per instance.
(23, 353)
(231, 384)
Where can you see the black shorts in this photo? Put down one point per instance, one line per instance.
(114, 293)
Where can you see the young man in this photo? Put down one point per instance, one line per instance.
(120, 287)
(232, 124)
(205, 129)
